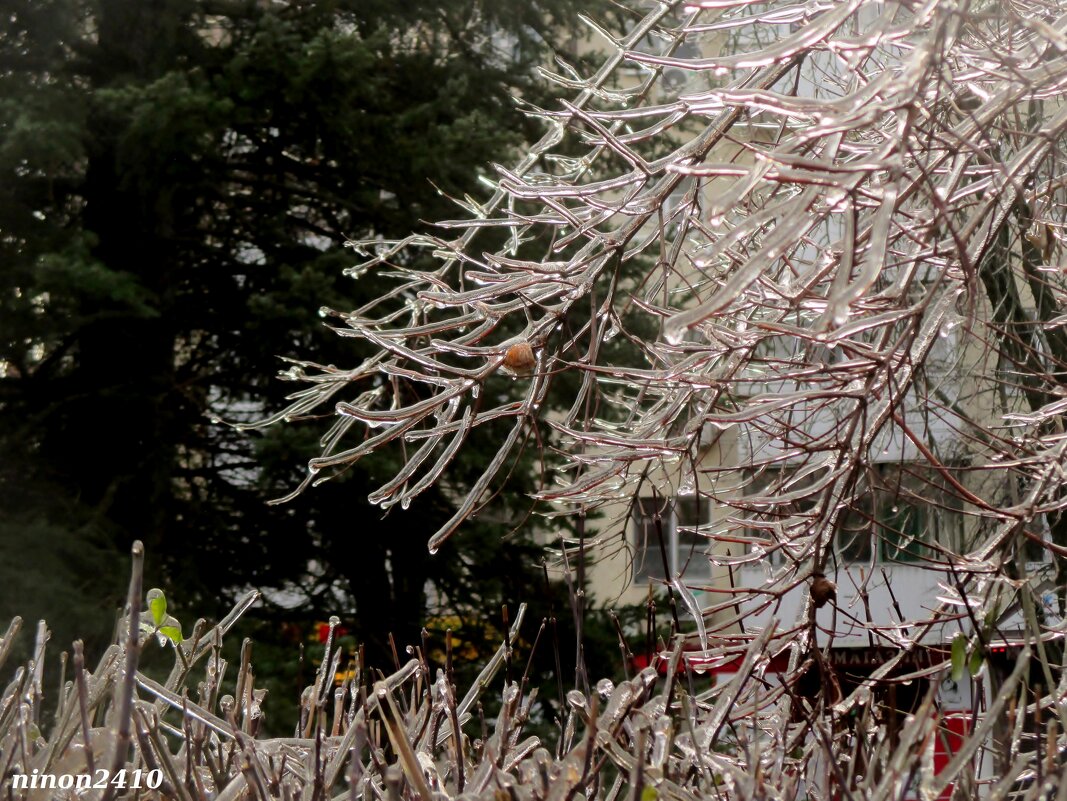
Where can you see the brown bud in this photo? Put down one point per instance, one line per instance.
(520, 359)
(822, 590)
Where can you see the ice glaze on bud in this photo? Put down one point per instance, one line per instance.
(520, 359)
(822, 590)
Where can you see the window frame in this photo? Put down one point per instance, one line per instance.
(890, 496)
(888, 490)
(643, 538)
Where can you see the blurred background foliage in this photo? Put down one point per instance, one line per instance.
(177, 182)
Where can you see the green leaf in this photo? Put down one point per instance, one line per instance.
(157, 604)
(172, 633)
(959, 656)
(649, 794)
(171, 629)
(976, 660)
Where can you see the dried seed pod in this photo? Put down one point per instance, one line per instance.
(822, 590)
(520, 359)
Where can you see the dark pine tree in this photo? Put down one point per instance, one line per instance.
(177, 181)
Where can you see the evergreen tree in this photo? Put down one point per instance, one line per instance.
(179, 180)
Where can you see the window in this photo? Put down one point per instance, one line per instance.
(778, 503)
(852, 540)
(1035, 554)
(899, 510)
(686, 549)
(904, 509)
(903, 530)
(783, 363)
